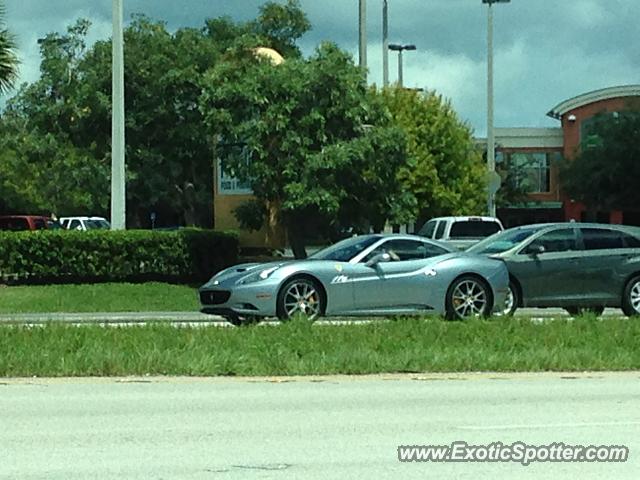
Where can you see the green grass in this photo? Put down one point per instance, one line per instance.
(299, 348)
(99, 297)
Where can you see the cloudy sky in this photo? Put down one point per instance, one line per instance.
(546, 51)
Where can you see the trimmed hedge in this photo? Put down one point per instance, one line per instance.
(125, 255)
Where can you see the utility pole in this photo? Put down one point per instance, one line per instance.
(362, 31)
(117, 122)
(385, 44)
(491, 154)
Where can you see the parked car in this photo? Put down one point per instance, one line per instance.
(577, 266)
(460, 232)
(27, 222)
(363, 275)
(84, 223)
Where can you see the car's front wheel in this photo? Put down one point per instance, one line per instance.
(300, 297)
(512, 300)
(631, 297)
(468, 296)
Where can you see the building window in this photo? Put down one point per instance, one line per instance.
(531, 171)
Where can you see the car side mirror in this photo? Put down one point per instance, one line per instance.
(379, 258)
(535, 249)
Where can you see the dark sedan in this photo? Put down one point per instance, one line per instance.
(577, 266)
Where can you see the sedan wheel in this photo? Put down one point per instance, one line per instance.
(512, 300)
(300, 296)
(468, 297)
(631, 298)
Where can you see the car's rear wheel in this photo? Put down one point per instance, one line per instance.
(631, 297)
(300, 297)
(468, 296)
(575, 311)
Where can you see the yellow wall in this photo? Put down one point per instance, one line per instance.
(272, 235)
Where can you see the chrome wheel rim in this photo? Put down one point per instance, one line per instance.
(302, 298)
(469, 299)
(634, 297)
(508, 302)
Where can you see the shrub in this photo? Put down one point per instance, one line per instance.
(103, 255)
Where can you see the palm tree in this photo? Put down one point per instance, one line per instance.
(8, 58)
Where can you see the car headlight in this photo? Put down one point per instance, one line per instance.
(257, 276)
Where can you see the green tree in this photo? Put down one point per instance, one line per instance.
(59, 127)
(512, 190)
(604, 173)
(279, 26)
(444, 172)
(8, 59)
(44, 165)
(304, 124)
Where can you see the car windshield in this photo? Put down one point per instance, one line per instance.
(345, 250)
(97, 224)
(428, 229)
(502, 241)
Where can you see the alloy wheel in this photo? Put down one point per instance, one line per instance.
(301, 297)
(469, 299)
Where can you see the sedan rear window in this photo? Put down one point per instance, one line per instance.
(606, 238)
(601, 238)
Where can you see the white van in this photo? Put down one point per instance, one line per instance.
(461, 232)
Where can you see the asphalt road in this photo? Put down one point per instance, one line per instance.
(309, 428)
(201, 318)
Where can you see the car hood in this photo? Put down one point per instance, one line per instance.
(241, 270)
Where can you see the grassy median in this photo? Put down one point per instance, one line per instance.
(98, 297)
(300, 348)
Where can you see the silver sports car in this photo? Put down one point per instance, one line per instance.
(363, 275)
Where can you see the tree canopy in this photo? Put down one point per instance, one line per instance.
(322, 150)
(604, 175)
(444, 171)
(56, 132)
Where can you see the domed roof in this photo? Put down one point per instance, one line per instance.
(586, 98)
(270, 54)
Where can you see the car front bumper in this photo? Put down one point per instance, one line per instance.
(250, 299)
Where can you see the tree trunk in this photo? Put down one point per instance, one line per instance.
(296, 240)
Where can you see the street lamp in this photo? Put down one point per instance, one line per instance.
(399, 48)
(491, 154)
(385, 44)
(117, 122)
(362, 34)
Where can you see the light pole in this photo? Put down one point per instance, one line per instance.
(400, 48)
(385, 44)
(117, 122)
(362, 34)
(491, 154)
